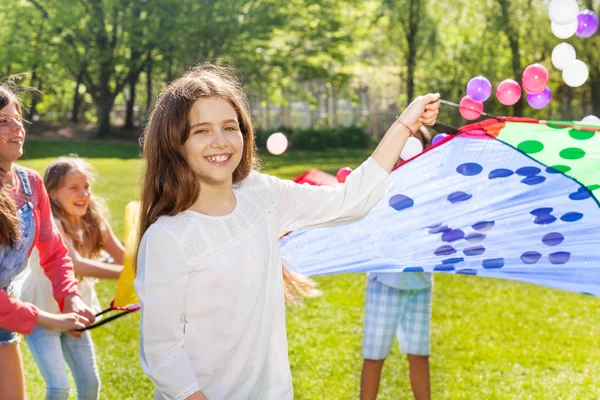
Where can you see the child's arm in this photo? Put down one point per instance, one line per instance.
(112, 245)
(87, 267)
(160, 283)
(305, 206)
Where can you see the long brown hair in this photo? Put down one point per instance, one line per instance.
(10, 226)
(87, 238)
(168, 184)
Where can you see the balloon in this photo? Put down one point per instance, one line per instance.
(412, 147)
(564, 31)
(438, 138)
(575, 73)
(277, 143)
(535, 78)
(342, 174)
(563, 12)
(591, 120)
(540, 100)
(469, 108)
(508, 92)
(479, 88)
(587, 24)
(563, 54)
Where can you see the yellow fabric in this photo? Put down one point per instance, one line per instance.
(126, 295)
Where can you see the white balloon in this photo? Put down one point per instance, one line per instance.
(412, 147)
(575, 73)
(563, 54)
(563, 12)
(277, 143)
(564, 31)
(591, 120)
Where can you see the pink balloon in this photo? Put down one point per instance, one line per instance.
(277, 143)
(508, 92)
(535, 79)
(470, 109)
(342, 174)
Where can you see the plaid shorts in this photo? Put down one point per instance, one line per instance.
(390, 312)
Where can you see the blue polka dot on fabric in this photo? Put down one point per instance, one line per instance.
(533, 180)
(475, 237)
(445, 250)
(483, 226)
(434, 226)
(469, 169)
(413, 269)
(542, 211)
(572, 216)
(560, 257)
(530, 257)
(454, 260)
(400, 202)
(528, 171)
(444, 268)
(492, 263)
(458, 197)
(544, 219)
(553, 239)
(453, 235)
(551, 170)
(581, 194)
(474, 251)
(500, 173)
(467, 271)
(440, 229)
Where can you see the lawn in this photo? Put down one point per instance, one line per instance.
(491, 339)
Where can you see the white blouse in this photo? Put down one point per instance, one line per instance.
(211, 288)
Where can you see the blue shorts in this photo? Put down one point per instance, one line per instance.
(8, 337)
(393, 312)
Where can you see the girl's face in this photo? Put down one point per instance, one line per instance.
(215, 145)
(12, 134)
(74, 194)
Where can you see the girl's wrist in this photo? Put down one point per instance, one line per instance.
(408, 129)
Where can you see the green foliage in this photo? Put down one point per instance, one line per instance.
(318, 139)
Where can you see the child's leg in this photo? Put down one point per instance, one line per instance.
(46, 350)
(418, 367)
(382, 313)
(413, 337)
(12, 377)
(81, 358)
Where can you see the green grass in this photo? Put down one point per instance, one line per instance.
(491, 339)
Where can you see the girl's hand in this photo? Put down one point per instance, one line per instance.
(422, 111)
(62, 322)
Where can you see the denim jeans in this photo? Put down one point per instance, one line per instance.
(51, 349)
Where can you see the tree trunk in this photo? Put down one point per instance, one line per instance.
(77, 97)
(595, 89)
(35, 95)
(516, 66)
(149, 95)
(104, 106)
(130, 103)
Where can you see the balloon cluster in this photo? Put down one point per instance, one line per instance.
(566, 22)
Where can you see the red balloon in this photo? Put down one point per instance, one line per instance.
(535, 79)
(508, 92)
(469, 108)
(342, 174)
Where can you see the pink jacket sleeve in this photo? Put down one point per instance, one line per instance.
(54, 257)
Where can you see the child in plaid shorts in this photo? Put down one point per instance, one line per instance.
(397, 304)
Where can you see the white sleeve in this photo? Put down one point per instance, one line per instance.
(308, 206)
(160, 284)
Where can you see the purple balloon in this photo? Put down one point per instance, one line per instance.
(479, 88)
(587, 24)
(438, 138)
(540, 100)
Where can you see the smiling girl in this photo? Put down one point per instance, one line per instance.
(86, 233)
(208, 266)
